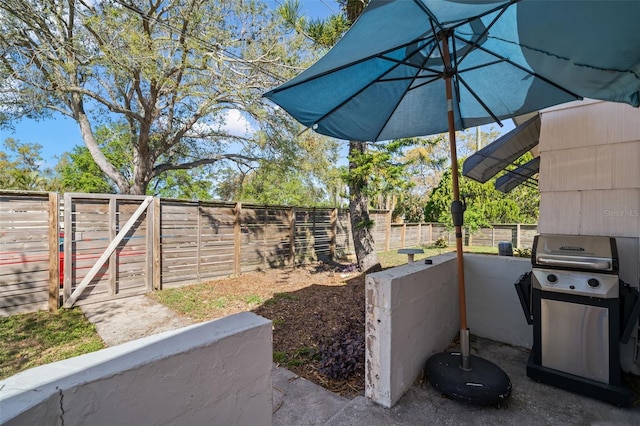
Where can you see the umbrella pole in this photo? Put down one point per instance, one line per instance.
(450, 372)
(457, 209)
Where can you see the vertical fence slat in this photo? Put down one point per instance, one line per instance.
(113, 207)
(292, 237)
(149, 244)
(199, 243)
(265, 250)
(387, 232)
(54, 252)
(237, 239)
(157, 253)
(68, 241)
(333, 224)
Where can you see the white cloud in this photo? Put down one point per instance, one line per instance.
(236, 124)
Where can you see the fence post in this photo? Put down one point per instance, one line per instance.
(157, 253)
(333, 220)
(292, 236)
(68, 246)
(419, 238)
(148, 261)
(312, 237)
(113, 267)
(264, 239)
(403, 235)
(493, 236)
(198, 242)
(430, 233)
(387, 232)
(54, 252)
(237, 240)
(518, 235)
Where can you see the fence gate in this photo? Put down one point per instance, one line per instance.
(108, 247)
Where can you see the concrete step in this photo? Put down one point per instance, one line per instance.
(299, 402)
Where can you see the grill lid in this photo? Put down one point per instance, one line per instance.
(575, 252)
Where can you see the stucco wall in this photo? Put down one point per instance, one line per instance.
(217, 372)
(411, 313)
(493, 306)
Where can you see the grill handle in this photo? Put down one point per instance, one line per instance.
(583, 264)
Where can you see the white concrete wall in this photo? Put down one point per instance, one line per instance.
(493, 306)
(217, 372)
(411, 313)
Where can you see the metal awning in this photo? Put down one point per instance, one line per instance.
(490, 160)
(522, 174)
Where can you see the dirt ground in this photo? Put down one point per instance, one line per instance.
(319, 325)
(318, 318)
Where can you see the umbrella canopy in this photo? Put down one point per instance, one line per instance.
(385, 78)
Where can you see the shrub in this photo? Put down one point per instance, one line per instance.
(343, 357)
(522, 252)
(441, 242)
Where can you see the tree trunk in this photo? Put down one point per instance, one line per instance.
(87, 136)
(361, 223)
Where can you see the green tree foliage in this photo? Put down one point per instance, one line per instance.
(379, 170)
(309, 178)
(425, 161)
(485, 205)
(173, 71)
(410, 208)
(21, 167)
(383, 173)
(273, 185)
(322, 32)
(79, 172)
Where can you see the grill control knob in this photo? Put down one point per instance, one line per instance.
(593, 283)
(552, 278)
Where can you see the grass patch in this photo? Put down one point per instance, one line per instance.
(253, 299)
(220, 302)
(279, 297)
(284, 296)
(33, 339)
(279, 357)
(197, 301)
(392, 258)
(298, 357)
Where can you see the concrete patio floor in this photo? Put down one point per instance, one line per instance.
(531, 403)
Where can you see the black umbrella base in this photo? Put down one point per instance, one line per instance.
(484, 384)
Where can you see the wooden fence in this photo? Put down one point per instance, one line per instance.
(86, 248)
(29, 264)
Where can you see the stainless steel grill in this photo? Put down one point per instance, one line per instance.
(575, 303)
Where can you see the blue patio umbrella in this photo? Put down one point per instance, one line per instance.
(421, 67)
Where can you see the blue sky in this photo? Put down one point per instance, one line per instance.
(61, 134)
